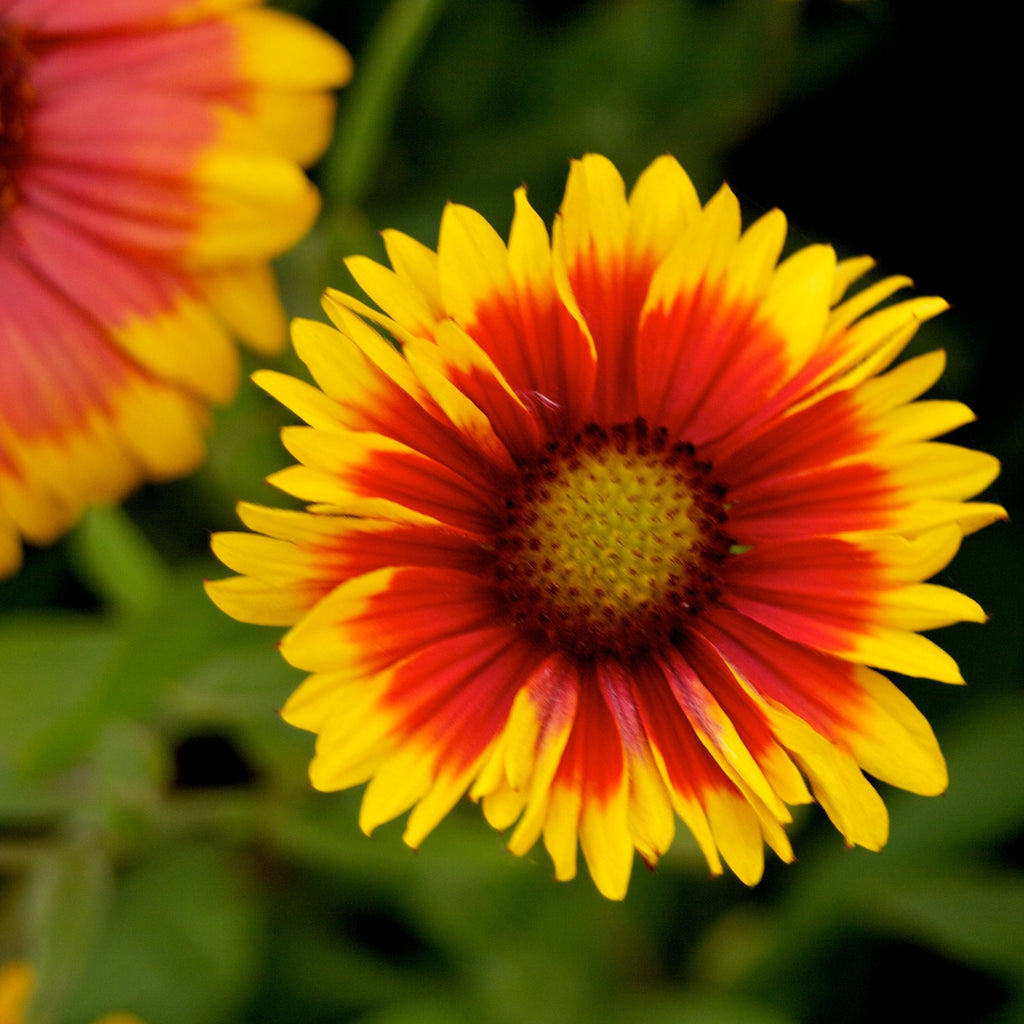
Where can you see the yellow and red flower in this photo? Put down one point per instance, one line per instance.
(150, 160)
(619, 529)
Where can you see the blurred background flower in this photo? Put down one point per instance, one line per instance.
(161, 849)
(149, 168)
(17, 981)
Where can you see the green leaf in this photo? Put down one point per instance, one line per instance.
(69, 896)
(51, 666)
(673, 1007)
(182, 944)
(975, 917)
(144, 658)
(984, 804)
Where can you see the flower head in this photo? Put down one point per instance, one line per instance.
(150, 160)
(620, 530)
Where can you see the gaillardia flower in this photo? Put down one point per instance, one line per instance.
(150, 160)
(615, 528)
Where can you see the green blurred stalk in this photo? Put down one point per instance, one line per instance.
(117, 561)
(370, 103)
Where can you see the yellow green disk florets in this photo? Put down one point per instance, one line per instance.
(611, 540)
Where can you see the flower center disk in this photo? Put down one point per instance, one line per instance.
(612, 541)
(16, 97)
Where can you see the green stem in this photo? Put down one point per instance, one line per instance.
(370, 103)
(117, 561)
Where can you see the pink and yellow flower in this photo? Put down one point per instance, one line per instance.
(619, 531)
(150, 166)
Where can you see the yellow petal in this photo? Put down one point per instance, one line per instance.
(255, 205)
(922, 421)
(306, 401)
(185, 345)
(282, 51)
(899, 650)
(551, 744)
(753, 263)
(401, 781)
(737, 834)
(702, 253)
(594, 216)
(893, 741)
(933, 469)
(662, 204)
(256, 601)
(848, 271)
(849, 800)
(296, 123)
(797, 301)
(561, 830)
(529, 250)
(403, 302)
(502, 805)
(447, 789)
(606, 842)
(322, 641)
(928, 606)
(246, 297)
(472, 262)
(902, 384)
(417, 265)
(864, 301)
(652, 824)
(692, 815)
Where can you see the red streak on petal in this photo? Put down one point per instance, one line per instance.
(199, 59)
(815, 437)
(353, 553)
(143, 219)
(427, 487)
(610, 295)
(824, 627)
(825, 576)
(554, 692)
(104, 283)
(706, 364)
(616, 686)
(838, 499)
(17, 100)
(715, 674)
(513, 423)
(57, 368)
(820, 689)
(137, 133)
(378, 404)
(45, 17)
(593, 761)
(420, 609)
(542, 353)
(690, 768)
(458, 693)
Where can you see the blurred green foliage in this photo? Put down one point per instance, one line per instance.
(160, 848)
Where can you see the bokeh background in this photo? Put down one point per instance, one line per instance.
(160, 848)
